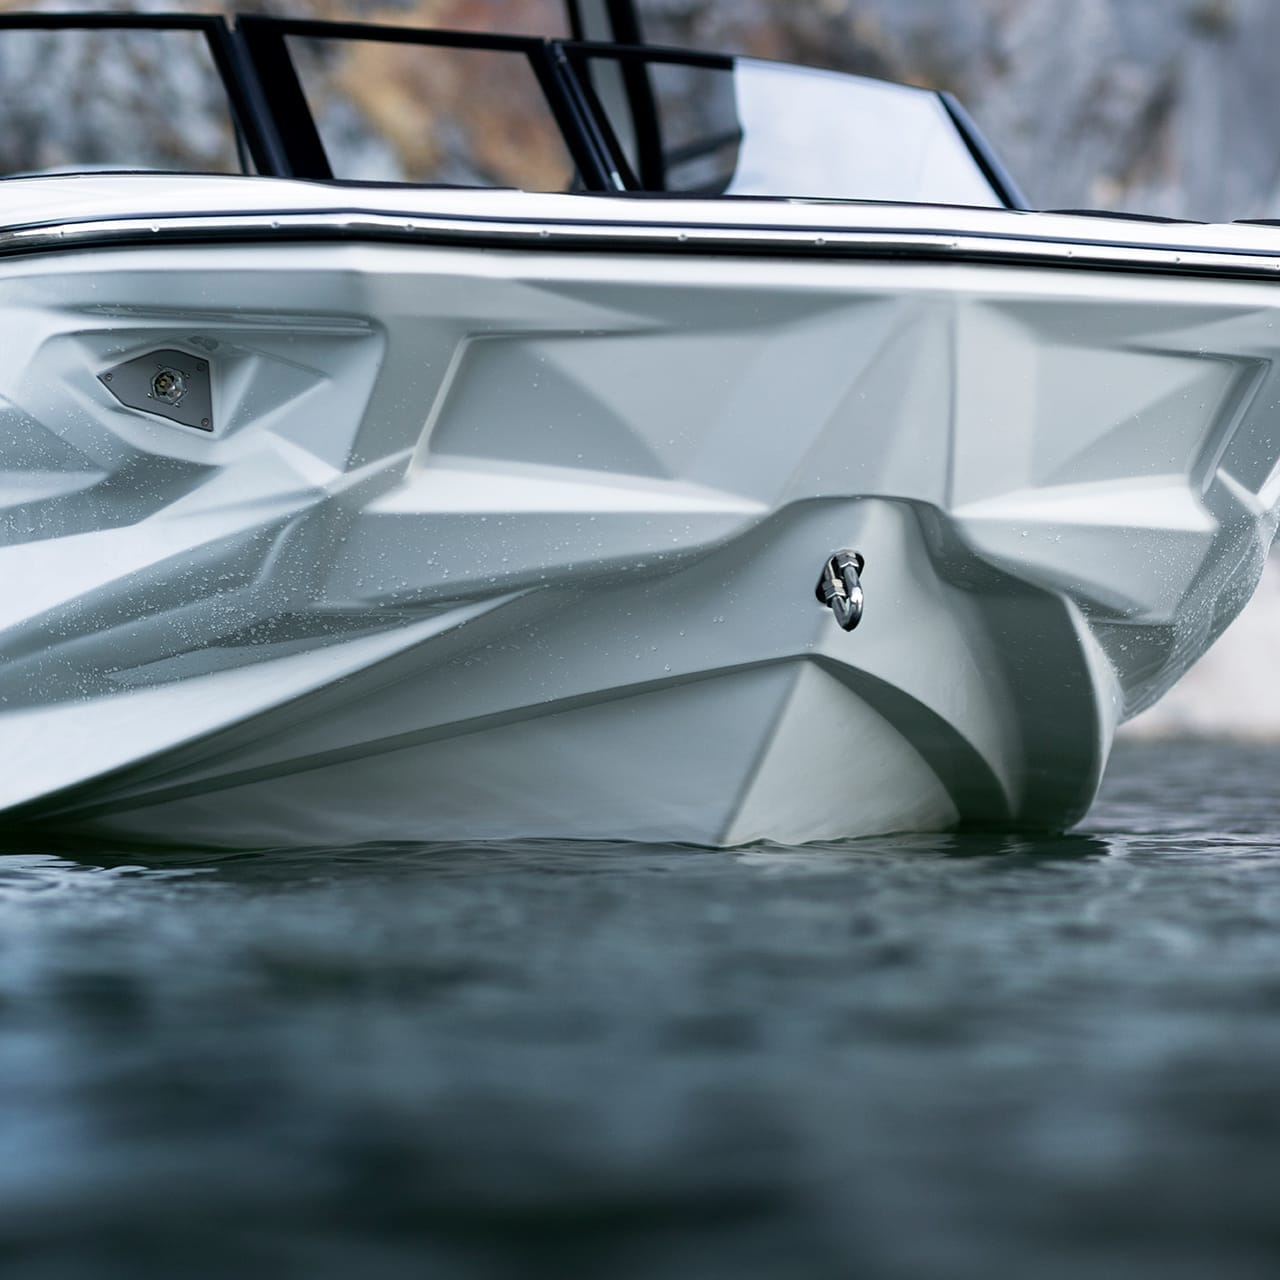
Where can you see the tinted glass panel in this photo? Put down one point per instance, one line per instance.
(421, 113)
(112, 99)
(701, 132)
(763, 128)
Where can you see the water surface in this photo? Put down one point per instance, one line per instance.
(912, 1057)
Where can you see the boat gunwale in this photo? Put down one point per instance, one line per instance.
(488, 231)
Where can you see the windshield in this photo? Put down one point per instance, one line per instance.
(424, 106)
(443, 115)
(747, 127)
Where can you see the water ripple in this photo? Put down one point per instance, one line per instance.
(958, 1055)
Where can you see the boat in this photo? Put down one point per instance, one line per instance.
(776, 474)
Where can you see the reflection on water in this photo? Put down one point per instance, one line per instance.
(961, 1055)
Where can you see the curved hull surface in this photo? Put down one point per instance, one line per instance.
(485, 543)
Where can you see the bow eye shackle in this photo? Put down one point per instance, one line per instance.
(840, 587)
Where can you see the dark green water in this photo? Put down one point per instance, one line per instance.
(919, 1057)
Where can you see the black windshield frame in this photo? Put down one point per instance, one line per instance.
(278, 132)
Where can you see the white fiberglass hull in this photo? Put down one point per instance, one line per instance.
(489, 543)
